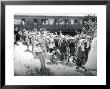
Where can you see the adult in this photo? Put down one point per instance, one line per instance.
(51, 45)
(27, 39)
(40, 49)
(63, 50)
(16, 35)
(56, 42)
(33, 38)
(80, 62)
(72, 48)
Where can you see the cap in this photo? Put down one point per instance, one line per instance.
(41, 29)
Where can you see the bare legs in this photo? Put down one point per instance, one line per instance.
(42, 61)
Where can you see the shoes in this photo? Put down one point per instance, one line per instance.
(73, 61)
(77, 67)
(56, 63)
(85, 69)
(42, 69)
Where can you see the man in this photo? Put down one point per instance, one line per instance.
(63, 49)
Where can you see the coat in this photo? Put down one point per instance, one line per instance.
(81, 56)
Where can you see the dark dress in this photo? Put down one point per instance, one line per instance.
(81, 57)
(63, 46)
(63, 50)
(56, 42)
(72, 48)
(86, 50)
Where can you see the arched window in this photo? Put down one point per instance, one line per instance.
(43, 22)
(66, 22)
(51, 21)
(46, 21)
(72, 21)
(61, 21)
(56, 21)
(23, 21)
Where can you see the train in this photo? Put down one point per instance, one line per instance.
(65, 24)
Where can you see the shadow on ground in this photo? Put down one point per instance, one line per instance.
(88, 72)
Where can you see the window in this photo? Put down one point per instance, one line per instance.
(61, 21)
(72, 21)
(23, 21)
(51, 21)
(81, 22)
(75, 21)
(66, 21)
(44, 21)
(35, 20)
(56, 21)
(17, 21)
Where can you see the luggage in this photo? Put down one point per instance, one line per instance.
(37, 47)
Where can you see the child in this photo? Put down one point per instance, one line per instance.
(54, 55)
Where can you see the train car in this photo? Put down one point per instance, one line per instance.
(65, 24)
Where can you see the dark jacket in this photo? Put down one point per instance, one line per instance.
(72, 47)
(63, 46)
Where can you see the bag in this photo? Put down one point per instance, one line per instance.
(37, 49)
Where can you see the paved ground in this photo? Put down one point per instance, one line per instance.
(26, 65)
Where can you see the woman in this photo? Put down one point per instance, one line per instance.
(87, 47)
(27, 39)
(40, 49)
(80, 62)
(72, 49)
(33, 38)
(16, 35)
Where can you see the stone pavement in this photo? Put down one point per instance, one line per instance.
(26, 65)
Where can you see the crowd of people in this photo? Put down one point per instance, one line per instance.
(43, 42)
